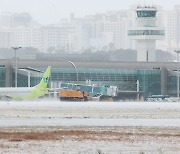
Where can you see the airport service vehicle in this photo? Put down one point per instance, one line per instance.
(73, 95)
(27, 93)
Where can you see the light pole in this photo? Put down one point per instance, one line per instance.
(15, 49)
(177, 52)
(72, 65)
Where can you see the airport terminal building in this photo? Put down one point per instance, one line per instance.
(153, 78)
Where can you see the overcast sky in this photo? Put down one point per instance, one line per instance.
(50, 11)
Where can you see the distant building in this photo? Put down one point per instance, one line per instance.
(8, 19)
(170, 19)
(58, 37)
(108, 30)
(26, 37)
(5, 37)
(105, 31)
(177, 10)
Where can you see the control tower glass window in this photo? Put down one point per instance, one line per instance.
(146, 13)
(146, 32)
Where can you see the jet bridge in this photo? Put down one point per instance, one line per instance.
(30, 72)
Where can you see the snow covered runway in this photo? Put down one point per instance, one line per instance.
(89, 127)
(88, 122)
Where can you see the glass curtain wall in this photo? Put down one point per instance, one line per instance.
(2, 76)
(150, 82)
(172, 85)
(125, 80)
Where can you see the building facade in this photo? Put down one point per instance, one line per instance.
(154, 78)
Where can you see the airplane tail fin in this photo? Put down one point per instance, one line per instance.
(39, 90)
(44, 81)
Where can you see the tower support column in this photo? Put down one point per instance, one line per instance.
(146, 50)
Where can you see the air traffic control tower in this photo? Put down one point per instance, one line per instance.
(146, 33)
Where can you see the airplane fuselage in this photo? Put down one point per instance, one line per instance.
(19, 91)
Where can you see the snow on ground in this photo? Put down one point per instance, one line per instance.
(88, 122)
(57, 113)
(57, 103)
(89, 147)
(147, 127)
(91, 140)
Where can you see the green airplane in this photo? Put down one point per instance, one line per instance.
(27, 93)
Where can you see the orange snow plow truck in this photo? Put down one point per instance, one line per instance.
(73, 95)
